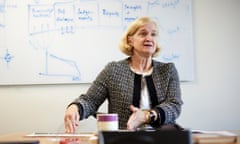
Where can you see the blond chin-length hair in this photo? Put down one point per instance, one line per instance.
(131, 30)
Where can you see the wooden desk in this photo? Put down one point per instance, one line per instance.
(217, 138)
(93, 140)
(45, 140)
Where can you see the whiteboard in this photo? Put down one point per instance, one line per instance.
(70, 41)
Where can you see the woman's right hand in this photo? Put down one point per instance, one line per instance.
(136, 119)
(71, 119)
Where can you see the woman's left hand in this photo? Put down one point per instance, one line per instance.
(136, 119)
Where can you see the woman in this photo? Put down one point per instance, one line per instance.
(143, 91)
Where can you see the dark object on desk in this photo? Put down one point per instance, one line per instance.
(146, 137)
(21, 142)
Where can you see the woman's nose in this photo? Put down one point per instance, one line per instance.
(149, 37)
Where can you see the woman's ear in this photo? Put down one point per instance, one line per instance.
(129, 40)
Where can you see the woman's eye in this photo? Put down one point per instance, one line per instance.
(143, 33)
(154, 34)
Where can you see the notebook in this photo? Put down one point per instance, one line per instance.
(146, 137)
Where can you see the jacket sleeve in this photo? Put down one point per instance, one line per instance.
(170, 108)
(89, 103)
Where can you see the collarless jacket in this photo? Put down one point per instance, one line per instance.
(116, 84)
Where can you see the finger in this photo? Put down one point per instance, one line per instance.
(133, 109)
(71, 119)
(130, 126)
(74, 126)
(77, 119)
(131, 121)
(69, 126)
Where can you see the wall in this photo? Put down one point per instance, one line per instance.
(211, 100)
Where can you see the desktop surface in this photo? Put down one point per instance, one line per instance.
(93, 139)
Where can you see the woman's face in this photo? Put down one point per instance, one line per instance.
(144, 41)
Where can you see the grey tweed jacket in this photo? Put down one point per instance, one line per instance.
(116, 84)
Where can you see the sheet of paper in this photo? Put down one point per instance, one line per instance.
(36, 134)
(223, 133)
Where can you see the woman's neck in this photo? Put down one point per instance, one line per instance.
(140, 64)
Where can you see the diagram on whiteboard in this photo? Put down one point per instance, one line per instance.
(70, 41)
